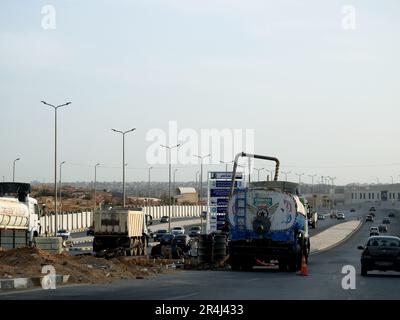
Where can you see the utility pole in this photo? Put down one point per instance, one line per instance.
(175, 182)
(123, 160)
(55, 159)
(312, 182)
(169, 148)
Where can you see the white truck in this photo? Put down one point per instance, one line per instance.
(19, 215)
(120, 232)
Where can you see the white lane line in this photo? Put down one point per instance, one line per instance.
(184, 296)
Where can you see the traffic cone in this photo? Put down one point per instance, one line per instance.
(304, 268)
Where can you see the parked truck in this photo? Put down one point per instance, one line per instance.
(120, 232)
(267, 223)
(312, 215)
(19, 215)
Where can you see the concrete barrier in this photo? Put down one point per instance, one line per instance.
(50, 244)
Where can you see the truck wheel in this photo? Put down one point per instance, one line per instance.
(247, 265)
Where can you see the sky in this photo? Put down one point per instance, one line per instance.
(298, 80)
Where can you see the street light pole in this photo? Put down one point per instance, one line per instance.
(169, 148)
(175, 182)
(312, 182)
(392, 178)
(14, 168)
(299, 175)
(61, 164)
(226, 164)
(148, 189)
(95, 186)
(55, 160)
(201, 186)
(258, 173)
(286, 174)
(123, 160)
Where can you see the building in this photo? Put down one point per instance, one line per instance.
(186, 195)
(358, 194)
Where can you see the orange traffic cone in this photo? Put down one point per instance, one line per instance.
(304, 268)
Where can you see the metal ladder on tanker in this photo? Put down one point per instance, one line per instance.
(241, 209)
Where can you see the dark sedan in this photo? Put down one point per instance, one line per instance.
(182, 241)
(164, 219)
(381, 253)
(159, 234)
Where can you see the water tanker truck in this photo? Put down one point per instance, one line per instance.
(19, 215)
(120, 231)
(267, 223)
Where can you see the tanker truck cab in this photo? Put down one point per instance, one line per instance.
(19, 215)
(267, 224)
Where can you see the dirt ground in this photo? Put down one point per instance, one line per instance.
(28, 262)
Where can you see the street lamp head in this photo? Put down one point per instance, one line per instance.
(62, 162)
(97, 164)
(17, 159)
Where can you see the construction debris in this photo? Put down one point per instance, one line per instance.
(28, 262)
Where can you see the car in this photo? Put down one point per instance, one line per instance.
(178, 230)
(386, 220)
(372, 214)
(90, 231)
(383, 228)
(166, 239)
(164, 219)
(369, 218)
(372, 209)
(320, 216)
(340, 216)
(380, 253)
(392, 215)
(182, 241)
(66, 235)
(159, 234)
(352, 210)
(373, 231)
(194, 231)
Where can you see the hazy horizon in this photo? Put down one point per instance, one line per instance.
(322, 99)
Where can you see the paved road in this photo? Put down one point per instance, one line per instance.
(324, 281)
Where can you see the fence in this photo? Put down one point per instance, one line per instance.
(72, 221)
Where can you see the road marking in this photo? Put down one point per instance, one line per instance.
(184, 296)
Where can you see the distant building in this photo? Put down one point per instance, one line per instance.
(186, 195)
(372, 193)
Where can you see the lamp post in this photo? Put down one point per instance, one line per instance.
(299, 175)
(169, 148)
(258, 173)
(377, 180)
(61, 164)
(14, 168)
(226, 164)
(175, 170)
(95, 186)
(392, 178)
(148, 188)
(55, 159)
(286, 174)
(201, 186)
(270, 174)
(312, 181)
(123, 160)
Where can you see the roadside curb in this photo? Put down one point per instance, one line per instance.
(341, 241)
(81, 249)
(27, 283)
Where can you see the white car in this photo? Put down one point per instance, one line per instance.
(340, 216)
(178, 230)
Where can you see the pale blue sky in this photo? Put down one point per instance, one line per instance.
(323, 99)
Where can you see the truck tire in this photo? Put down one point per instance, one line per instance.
(283, 265)
(234, 263)
(364, 271)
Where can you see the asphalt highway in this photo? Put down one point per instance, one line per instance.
(323, 282)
